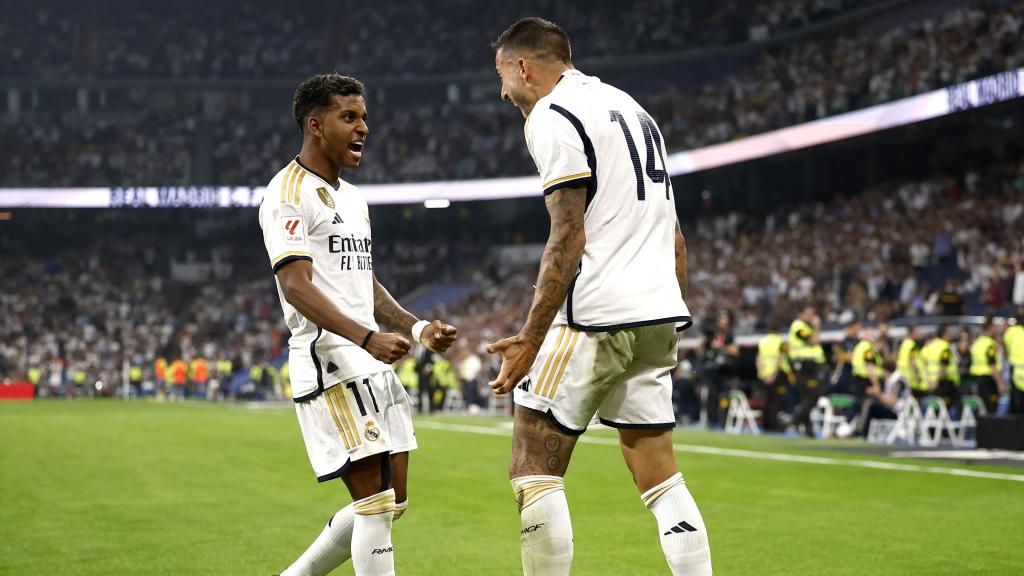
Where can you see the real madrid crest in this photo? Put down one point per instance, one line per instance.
(325, 197)
(372, 432)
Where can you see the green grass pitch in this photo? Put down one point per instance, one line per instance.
(110, 487)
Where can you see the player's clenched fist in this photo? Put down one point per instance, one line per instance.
(387, 347)
(438, 336)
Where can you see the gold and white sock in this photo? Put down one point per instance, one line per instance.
(546, 530)
(372, 551)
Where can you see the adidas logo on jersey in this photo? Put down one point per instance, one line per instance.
(337, 219)
(681, 528)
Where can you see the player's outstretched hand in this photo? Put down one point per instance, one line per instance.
(438, 336)
(518, 355)
(387, 347)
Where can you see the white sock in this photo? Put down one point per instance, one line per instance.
(330, 549)
(372, 552)
(546, 536)
(683, 536)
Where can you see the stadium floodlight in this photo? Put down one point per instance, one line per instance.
(437, 203)
(961, 97)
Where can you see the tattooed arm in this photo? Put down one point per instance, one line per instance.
(558, 267)
(389, 312)
(560, 262)
(681, 274)
(437, 336)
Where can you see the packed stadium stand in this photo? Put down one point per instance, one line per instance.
(145, 116)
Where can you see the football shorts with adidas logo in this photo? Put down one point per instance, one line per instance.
(353, 419)
(623, 376)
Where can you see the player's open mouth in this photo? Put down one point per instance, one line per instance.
(356, 148)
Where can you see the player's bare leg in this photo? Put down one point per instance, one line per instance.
(400, 482)
(540, 456)
(651, 460)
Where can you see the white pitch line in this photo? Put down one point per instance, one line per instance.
(752, 454)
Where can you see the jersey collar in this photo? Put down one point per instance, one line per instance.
(337, 181)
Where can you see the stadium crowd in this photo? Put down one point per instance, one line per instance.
(440, 136)
(193, 39)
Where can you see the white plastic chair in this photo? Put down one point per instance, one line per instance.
(827, 415)
(740, 415)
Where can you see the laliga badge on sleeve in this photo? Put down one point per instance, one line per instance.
(294, 230)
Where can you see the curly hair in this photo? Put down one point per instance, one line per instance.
(316, 93)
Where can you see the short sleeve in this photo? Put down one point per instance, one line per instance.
(555, 138)
(286, 224)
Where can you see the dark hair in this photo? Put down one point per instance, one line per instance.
(537, 38)
(316, 93)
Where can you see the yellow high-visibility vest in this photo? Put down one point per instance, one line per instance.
(909, 365)
(865, 354)
(769, 350)
(985, 355)
(408, 375)
(939, 362)
(1013, 339)
(799, 350)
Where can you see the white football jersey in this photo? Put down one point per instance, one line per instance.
(587, 133)
(307, 216)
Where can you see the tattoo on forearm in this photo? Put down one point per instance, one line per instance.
(389, 312)
(560, 262)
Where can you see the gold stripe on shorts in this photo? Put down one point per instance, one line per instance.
(545, 381)
(565, 362)
(348, 413)
(547, 365)
(342, 428)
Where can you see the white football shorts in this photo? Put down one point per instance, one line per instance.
(624, 377)
(354, 419)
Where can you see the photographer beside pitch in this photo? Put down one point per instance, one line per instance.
(600, 337)
(355, 416)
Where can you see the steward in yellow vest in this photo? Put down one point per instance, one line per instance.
(866, 364)
(868, 378)
(775, 373)
(909, 364)
(807, 358)
(941, 369)
(987, 366)
(1013, 340)
(408, 375)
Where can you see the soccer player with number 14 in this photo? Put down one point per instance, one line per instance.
(600, 337)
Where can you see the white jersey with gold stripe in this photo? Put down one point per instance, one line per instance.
(588, 134)
(310, 217)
